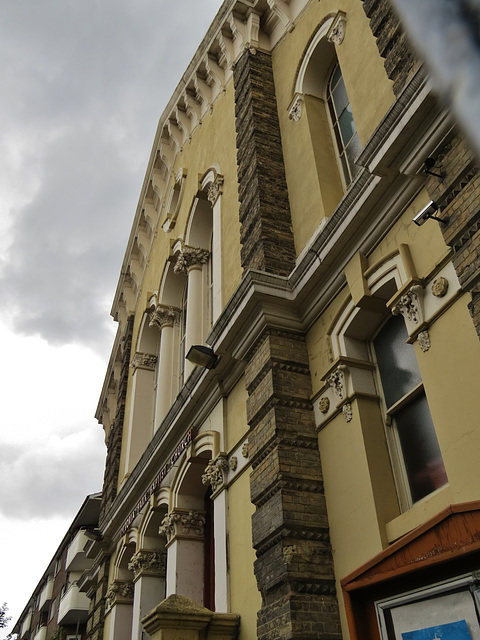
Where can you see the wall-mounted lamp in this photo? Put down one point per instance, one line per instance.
(429, 165)
(428, 213)
(202, 356)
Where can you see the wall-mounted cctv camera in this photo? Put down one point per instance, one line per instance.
(428, 213)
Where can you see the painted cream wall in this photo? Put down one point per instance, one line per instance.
(359, 486)
(244, 596)
(213, 143)
(236, 414)
(364, 76)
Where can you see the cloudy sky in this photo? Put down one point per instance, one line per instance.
(83, 83)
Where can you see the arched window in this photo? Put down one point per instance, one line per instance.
(183, 336)
(343, 125)
(418, 462)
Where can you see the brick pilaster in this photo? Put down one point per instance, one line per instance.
(265, 233)
(392, 43)
(458, 195)
(294, 567)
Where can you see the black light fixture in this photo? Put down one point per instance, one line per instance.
(202, 356)
(429, 165)
(428, 213)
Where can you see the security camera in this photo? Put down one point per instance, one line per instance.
(428, 213)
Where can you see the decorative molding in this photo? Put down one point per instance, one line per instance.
(119, 592)
(440, 287)
(164, 316)
(233, 464)
(216, 472)
(410, 305)
(295, 110)
(179, 523)
(152, 563)
(347, 412)
(336, 33)
(190, 257)
(245, 450)
(336, 380)
(423, 340)
(324, 404)
(215, 189)
(143, 361)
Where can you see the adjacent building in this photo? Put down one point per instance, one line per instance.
(57, 610)
(291, 407)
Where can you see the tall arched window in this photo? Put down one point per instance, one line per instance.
(417, 457)
(344, 129)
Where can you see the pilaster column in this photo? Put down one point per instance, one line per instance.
(141, 407)
(191, 262)
(184, 531)
(165, 318)
(119, 603)
(216, 476)
(149, 585)
(294, 566)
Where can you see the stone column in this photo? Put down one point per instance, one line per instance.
(184, 531)
(119, 601)
(294, 566)
(216, 476)
(191, 262)
(165, 318)
(149, 585)
(214, 194)
(141, 407)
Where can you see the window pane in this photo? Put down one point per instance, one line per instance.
(421, 453)
(347, 125)
(336, 76)
(353, 151)
(340, 97)
(396, 360)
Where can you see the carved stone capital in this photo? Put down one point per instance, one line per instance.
(190, 257)
(336, 33)
(410, 305)
(216, 472)
(296, 108)
(143, 361)
(163, 316)
(151, 563)
(180, 523)
(214, 189)
(119, 592)
(336, 380)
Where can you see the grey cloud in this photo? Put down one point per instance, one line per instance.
(45, 481)
(85, 83)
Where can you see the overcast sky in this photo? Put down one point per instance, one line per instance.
(83, 83)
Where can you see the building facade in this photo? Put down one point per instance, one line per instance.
(57, 610)
(319, 476)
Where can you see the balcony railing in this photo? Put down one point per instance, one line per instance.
(46, 594)
(76, 558)
(41, 633)
(73, 606)
(25, 625)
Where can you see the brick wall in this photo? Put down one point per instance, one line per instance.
(294, 567)
(265, 232)
(393, 45)
(458, 196)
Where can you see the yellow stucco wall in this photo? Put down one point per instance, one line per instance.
(244, 596)
(305, 155)
(237, 425)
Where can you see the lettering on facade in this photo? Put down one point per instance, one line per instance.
(177, 452)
